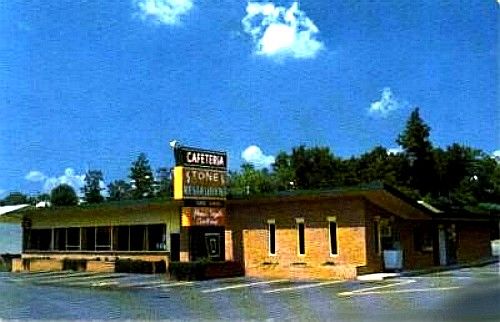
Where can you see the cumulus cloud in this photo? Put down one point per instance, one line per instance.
(166, 12)
(35, 176)
(387, 103)
(254, 155)
(395, 151)
(496, 155)
(48, 183)
(281, 32)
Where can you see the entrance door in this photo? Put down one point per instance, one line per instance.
(442, 246)
(206, 242)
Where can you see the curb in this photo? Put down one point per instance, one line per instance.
(437, 269)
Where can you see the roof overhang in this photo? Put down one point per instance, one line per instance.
(12, 214)
(381, 195)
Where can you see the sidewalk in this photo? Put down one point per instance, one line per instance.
(435, 269)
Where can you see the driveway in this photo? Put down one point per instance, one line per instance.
(470, 294)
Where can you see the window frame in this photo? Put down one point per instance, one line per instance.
(330, 221)
(301, 226)
(271, 242)
(376, 236)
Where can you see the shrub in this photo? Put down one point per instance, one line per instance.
(204, 269)
(6, 261)
(140, 266)
(74, 264)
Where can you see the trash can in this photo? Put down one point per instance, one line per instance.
(495, 247)
(393, 259)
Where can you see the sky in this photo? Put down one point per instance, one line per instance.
(91, 84)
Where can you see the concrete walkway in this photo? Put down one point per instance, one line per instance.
(435, 269)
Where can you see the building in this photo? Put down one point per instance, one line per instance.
(299, 234)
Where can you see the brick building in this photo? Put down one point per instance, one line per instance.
(318, 234)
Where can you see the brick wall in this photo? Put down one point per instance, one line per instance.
(252, 245)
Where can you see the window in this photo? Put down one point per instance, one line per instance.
(271, 229)
(157, 237)
(73, 238)
(88, 238)
(423, 241)
(103, 238)
(376, 235)
(332, 232)
(138, 237)
(301, 235)
(121, 238)
(40, 239)
(60, 238)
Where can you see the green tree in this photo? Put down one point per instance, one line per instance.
(119, 190)
(163, 183)
(63, 195)
(283, 172)
(141, 177)
(251, 181)
(418, 149)
(15, 198)
(92, 188)
(316, 168)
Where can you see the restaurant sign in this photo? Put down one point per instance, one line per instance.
(199, 183)
(202, 216)
(193, 157)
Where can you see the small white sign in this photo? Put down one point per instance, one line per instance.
(495, 247)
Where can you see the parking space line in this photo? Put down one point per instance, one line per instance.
(300, 287)
(167, 285)
(243, 285)
(412, 290)
(375, 288)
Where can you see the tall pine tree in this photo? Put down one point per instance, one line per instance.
(418, 149)
(141, 177)
(92, 188)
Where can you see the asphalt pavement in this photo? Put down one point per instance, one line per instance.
(467, 294)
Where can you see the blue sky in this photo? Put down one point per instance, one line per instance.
(91, 84)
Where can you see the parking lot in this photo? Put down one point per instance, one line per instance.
(466, 294)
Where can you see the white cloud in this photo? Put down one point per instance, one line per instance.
(254, 155)
(35, 176)
(69, 177)
(387, 104)
(496, 155)
(281, 32)
(395, 151)
(166, 12)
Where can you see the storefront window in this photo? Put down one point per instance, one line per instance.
(40, 239)
(60, 238)
(157, 237)
(138, 237)
(103, 238)
(73, 238)
(88, 238)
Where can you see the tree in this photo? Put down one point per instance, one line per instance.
(418, 149)
(119, 190)
(15, 198)
(316, 168)
(283, 172)
(141, 177)
(92, 188)
(251, 181)
(63, 195)
(163, 183)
